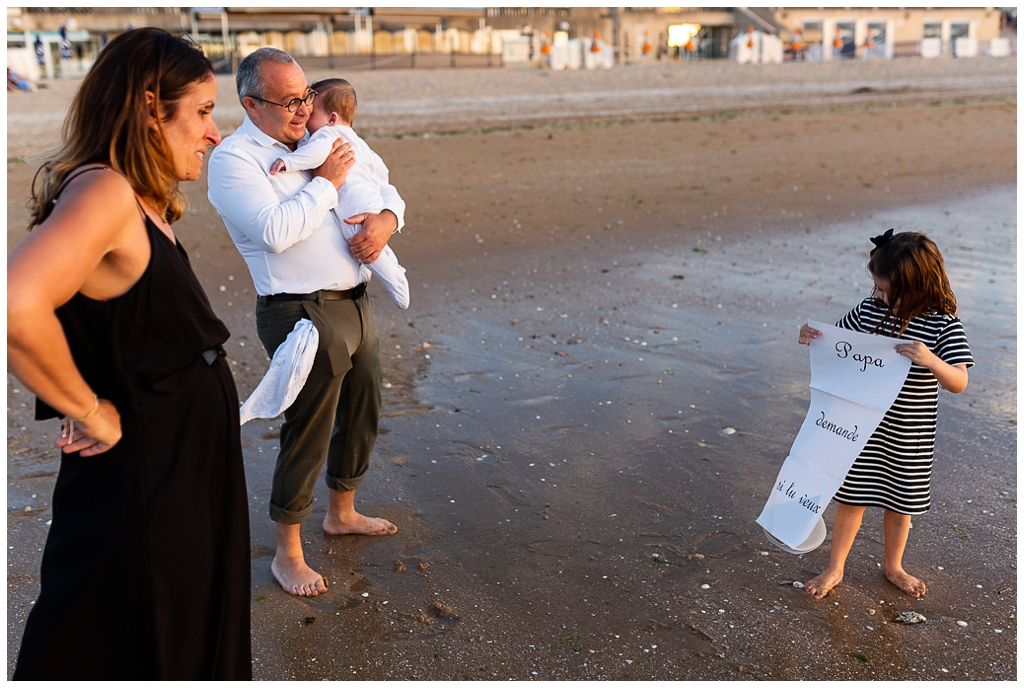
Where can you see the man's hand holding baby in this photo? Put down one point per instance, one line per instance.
(373, 237)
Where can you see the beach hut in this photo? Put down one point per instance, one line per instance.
(274, 39)
(480, 42)
(382, 42)
(318, 42)
(965, 46)
(746, 48)
(515, 48)
(424, 41)
(596, 54)
(340, 43)
(772, 50)
(405, 41)
(567, 54)
(296, 43)
(999, 47)
(247, 42)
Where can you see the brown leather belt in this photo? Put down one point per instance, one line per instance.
(352, 294)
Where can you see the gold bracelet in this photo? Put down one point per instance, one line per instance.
(95, 408)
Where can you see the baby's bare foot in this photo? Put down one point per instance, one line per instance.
(905, 582)
(822, 583)
(297, 578)
(357, 524)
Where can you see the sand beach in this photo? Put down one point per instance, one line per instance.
(598, 377)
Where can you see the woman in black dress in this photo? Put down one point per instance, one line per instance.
(146, 570)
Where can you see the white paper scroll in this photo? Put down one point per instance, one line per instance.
(854, 380)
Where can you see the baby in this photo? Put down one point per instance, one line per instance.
(331, 119)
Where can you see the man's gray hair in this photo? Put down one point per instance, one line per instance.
(249, 80)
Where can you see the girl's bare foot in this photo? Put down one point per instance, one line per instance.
(822, 583)
(357, 524)
(296, 577)
(905, 582)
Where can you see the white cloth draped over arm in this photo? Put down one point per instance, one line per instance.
(287, 374)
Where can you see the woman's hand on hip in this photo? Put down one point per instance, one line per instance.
(93, 436)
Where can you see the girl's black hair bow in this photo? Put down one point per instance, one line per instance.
(882, 239)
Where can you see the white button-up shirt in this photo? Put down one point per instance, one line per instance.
(283, 225)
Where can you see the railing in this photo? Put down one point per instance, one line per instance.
(704, 51)
(673, 10)
(224, 65)
(400, 61)
(875, 52)
(801, 55)
(906, 49)
(523, 12)
(985, 47)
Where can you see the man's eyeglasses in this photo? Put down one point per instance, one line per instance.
(293, 104)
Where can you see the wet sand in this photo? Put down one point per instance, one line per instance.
(593, 301)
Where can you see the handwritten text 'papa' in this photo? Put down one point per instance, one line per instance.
(843, 350)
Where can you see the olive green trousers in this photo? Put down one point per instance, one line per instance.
(336, 414)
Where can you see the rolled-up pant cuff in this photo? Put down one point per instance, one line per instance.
(343, 484)
(287, 517)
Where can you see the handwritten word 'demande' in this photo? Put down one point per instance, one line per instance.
(845, 433)
(843, 350)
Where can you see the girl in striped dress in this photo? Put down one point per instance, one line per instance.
(911, 300)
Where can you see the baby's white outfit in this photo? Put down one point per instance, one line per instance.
(359, 194)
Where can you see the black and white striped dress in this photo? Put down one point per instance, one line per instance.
(894, 470)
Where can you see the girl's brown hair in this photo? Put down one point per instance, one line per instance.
(337, 95)
(109, 120)
(916, 273)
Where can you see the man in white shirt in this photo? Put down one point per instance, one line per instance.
(302, 267)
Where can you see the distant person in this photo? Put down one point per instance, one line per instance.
(912, 300)
(545, 50)
(16, 82)
(330, 120)
(40, 51)
(146, 569)
(303, 268)
(797, 45)
(869, 44)
(65, 45)
(837, 43)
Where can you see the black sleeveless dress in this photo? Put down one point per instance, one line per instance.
(146, 569)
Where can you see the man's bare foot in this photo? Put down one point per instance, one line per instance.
(297, 578)
(822, 583)
(357, 524)
(905, 582)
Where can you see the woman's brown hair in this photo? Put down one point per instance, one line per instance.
(109, 120)
(916, 273)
